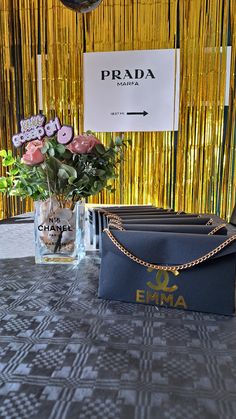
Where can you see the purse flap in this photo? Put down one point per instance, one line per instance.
(178, 228)
(158, 215)
(168, 248)
(168, 220)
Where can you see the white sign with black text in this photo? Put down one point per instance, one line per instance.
(131, 91)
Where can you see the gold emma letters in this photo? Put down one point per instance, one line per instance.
(160, 294)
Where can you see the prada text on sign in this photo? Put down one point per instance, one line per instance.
(131, 90)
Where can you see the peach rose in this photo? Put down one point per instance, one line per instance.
(33, 153)
(83, 144)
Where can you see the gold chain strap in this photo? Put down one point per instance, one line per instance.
(217, 228)
(115, 220)
(111, 216)
(209, 223)
(174, 268)
(106, 213)
(116, 225)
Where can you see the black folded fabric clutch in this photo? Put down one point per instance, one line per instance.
(175, 228)
(152, 216)
(141, 215)
(186, 271)
(148, 213)
(129, 208)
(98, 217)
(169, 220)
(140, 210)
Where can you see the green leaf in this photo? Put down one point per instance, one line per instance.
(24, 182)
(62, 174)
(71, 180)
(8, 161)
(9, 181)
(70, 170)
(110, 152)
(100, 172)
(15, 192)
(112, 144)
(67, 154)
(100, 148)
(29, 190)
(85, 179)
(45, 148)
(119, 141)
(51, 152)
(60, 148)
(14, 172)
(3, 183)
(3, 153)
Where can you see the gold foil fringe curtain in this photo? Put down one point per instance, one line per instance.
(192, 170)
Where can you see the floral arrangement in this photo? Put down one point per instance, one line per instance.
(60, 165)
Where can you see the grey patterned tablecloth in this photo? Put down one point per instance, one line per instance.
(66, 354)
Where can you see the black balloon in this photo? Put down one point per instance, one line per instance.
(82, 6)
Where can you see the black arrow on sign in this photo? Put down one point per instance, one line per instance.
(144, 113)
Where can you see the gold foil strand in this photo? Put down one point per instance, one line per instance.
(198, 172)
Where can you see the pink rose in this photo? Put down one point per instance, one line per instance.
(33, 153)
(83, 144)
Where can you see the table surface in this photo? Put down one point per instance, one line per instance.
(64, 353)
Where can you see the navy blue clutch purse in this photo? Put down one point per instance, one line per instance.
(185, 271)
(174, 228)
(178, 219)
